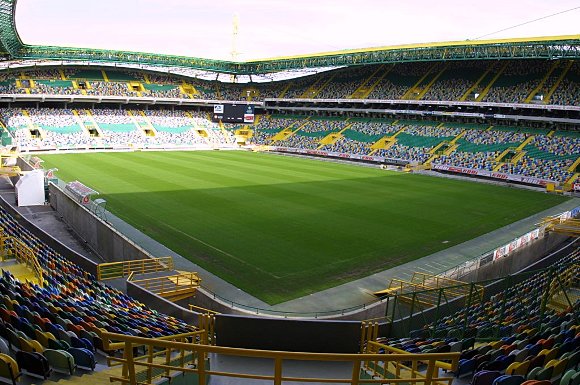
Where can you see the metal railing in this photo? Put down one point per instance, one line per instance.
(112, 270)
(384, 368)
(11, 247)
(173, 358)
(170, 285)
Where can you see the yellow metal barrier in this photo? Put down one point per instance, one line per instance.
(207, 323)
(11, 247)
(410, 369)
(121, 269)
(202, 309)
(173, 286)
(427, 289)
(190, 358)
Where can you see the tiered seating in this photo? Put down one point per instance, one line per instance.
(73, 297)
(61, 87)
(394, 82)
(300, 86)
(172, 127)
(300, 141)
(399, 80)
(345, 82)
(311, 133)
(61, 129)
(478, 149)
(433, 131)
(547, 158)
(117, 128)
(456, 80)
(110, 88)
(517, 81)
(358, 138)
(56, 327)
(416, 141)
(268, 127)
(534, 342)
(568, 91)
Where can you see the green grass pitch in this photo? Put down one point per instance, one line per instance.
(282, 227)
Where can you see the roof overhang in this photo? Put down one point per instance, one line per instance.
(550, 48)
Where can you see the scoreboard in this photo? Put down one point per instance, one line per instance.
(233, 113)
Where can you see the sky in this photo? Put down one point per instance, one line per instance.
(272, 28)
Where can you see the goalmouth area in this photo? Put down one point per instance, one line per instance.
(281, 227)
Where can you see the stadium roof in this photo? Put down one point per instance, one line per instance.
(552, 47)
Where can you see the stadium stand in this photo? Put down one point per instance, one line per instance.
(360, 135)
(525, 339)
(547, 158)
(568, 90)
(455, 82)
(48, 128)
(72, 307)
(511, 81)
(516, 81)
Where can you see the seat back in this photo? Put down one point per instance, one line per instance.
(84, 358)
(509, 380)
(485, 377)
(567, 377)
(521, 355)
(34, 363)
(545, 373)
(559, 367)
(60, 361)
(4, 348)
(575, 379)
(26, 345)
(13, 339)
(9, 368)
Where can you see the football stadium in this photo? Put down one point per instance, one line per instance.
(404, 214)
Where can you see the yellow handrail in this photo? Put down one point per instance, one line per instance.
(169, 284)
(192, 358)
(203, 309)
(11, 246)
(112, 270)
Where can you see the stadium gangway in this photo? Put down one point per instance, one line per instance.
(192, 359)
(11, 247)
(564, 289)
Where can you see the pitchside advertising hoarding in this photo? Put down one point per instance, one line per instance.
(516, 244)
(233, 113)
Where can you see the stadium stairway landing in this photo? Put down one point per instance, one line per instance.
(263, 366)
(351, 294)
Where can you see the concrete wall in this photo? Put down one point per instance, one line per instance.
(288, 335)
(161, 304)
(101, 237)
(209, 300)
(24, 166)
(517, 261)
(63, 250)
